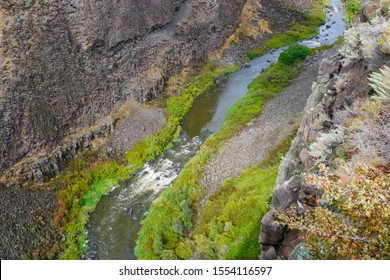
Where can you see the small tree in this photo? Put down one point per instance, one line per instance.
(354, 219)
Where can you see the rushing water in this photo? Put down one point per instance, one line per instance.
(114, 225)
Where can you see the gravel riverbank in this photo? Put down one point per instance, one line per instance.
(276, 122)
(25, 214)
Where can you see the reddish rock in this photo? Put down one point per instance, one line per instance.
(369, 10)
(305, 158)
(290, 241)
(271, 231)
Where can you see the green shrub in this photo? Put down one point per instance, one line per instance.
(356, 225)
(254, 52)
(352, 8)
(273, 79)
(81, 187)
(89, 177)
(294, 54)
(184, 250)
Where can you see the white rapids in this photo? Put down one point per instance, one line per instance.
(114, 225)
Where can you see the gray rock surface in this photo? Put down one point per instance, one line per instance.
(142, 121)
(46, 166)
(286, 193)
(65, 64)
(338, 87)
(255, 141)
(31, 236)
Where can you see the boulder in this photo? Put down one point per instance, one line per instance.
(270, 253)
(290, 241)
(286, 194)
(271, 231)
(305, 158)
(328, 68)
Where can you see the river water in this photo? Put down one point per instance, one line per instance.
(114, 225)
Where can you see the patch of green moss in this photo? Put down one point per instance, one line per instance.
(229, 226)
(294, 54)
(253, 53)
(89, 176)
(170, 218)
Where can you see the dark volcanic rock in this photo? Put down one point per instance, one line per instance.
(271, 231)
(25, 224)
(286, 194)
(338, 86)
(44, 167)
(69, 63)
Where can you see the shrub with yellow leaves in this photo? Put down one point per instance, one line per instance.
(353, 221)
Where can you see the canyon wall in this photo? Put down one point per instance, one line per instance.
(341, 89)
(66, 64)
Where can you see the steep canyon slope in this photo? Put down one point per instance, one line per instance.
(65, 64)
(343, 136)
(68, 64)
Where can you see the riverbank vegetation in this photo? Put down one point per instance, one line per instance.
(225, 230)
(305, 29)
(301, 30)
(91, 175)
(171, 217)
(352, 8)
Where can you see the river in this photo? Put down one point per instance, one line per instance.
(114, 225)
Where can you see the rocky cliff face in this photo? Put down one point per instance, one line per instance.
(276, 239)
(341, 88)
(65, 64)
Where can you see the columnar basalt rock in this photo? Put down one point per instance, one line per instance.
(46, 166)
(66, 64)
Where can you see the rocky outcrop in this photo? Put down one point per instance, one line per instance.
(135, 122)
(66, 64)
(47, 166)
(341, 89)
(338, 87)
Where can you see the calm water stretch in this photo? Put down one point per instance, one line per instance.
(114, 225)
